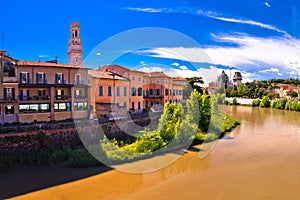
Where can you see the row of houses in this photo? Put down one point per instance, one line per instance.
(44, 91)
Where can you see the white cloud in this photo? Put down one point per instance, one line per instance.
(250, 22)
(142, 63)
(213, 15)
(267, 4)
(269, 70)
(183, 67)
(98, 54)
(176, 64)
(283, 52)
(179, 53)
(43, 56)
(152, 10)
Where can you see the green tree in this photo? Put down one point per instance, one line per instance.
(265, 102)
(241, 90)
(205, 110)
(170, 121)
(282, 103)
(292, 93)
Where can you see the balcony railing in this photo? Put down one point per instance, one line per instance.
(62, 97)
(80, 97)
(34, 98)
(8, 99)
(153, 96)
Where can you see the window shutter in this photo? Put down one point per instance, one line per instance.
(27, 81)
(20, 77)
(28, 93)
(37, 78)
(44, 77)
(63, 79)
(13, 93)
(5, 93)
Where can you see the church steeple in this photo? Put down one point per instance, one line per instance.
(75, 45)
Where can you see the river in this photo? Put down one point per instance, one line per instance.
(259, 160)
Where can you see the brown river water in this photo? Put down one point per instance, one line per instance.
(259, 160)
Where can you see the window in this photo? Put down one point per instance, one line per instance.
(140, 78)
(24, 94)
(157, 81)
(9, 109)
(44, 108)
(109, 91)
(166, 92)
(41, 93)
(40, 78)
(151, 91)
(59, 78)
(100, 90)
(80, 105)
(157, 91)
(24, 77)
(9, 93)
(139, 105)
(60, 94)
(132, 78)
(23, 108)
(118, 91)
(170, 92)
(132, 105)
(125, 91)
(77, 79)
(125, 105)
(8, 70)
(133, 91)
(61, 107)
(140, 91)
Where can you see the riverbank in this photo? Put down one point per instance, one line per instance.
(260, 161)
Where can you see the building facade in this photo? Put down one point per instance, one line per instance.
(44, 91)
(117, 91)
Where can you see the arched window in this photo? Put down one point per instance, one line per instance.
(76, 33)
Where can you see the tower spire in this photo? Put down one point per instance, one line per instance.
(75, 45)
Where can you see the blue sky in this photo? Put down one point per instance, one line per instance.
(259, 38)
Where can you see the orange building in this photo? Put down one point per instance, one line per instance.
(44, 91)
(145, 90)
(109, 94)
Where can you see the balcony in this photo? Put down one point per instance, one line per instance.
(80, 97)
(8, 79)
(34, 98)
(153, 96)
(62, 97)
(8, 99)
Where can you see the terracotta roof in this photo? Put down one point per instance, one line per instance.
(105, 75)
(46, 64)
(179, 79)
(158, 74)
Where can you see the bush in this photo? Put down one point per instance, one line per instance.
(256, 102)
(265, 102)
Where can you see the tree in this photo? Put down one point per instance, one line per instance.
(292, 93)
(241, 90)
(193, 83)
(265, 102)
(170, 121)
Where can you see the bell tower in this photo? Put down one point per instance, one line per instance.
(75, 45)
